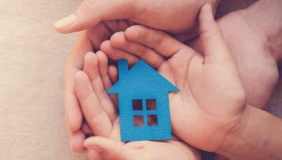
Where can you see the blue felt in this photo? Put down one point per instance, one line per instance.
(142, 82)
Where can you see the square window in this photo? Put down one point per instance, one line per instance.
(152, 120)
(137, 105)
(138, 120)
(151, 104)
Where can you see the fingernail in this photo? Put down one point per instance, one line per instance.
(65, 22)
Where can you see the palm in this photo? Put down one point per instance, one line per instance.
(101, 113)
(199, 112)
(189, 74)
(255, 62)
(166, 150)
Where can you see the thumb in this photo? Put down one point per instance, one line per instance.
(215, 49)
(91, 12)
(110, 149)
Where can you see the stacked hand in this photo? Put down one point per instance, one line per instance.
(211, 101)
(255, 63)
(102, 19)
(102, 117)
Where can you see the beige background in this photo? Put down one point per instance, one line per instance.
(32, 56)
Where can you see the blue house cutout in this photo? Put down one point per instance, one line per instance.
(144, 85)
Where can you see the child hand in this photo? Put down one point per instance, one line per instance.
(211, 101)
(101, 115)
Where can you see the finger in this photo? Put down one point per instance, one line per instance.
(91, 12)
(96, 118)
(215, 49)
(76, 138)
(196, 45)
(110, 149)
(116, 54)
(91, 68)
(104, 30)
(113, 73)
(103, 69)
(153, 58)
(93, 155)
(85, 128)
(157, 40)
(73, 114)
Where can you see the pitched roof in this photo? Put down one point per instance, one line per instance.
(140, 78)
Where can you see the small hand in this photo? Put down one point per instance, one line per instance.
(102, 19)
(87, 41)
(212, 100)
(101, 114)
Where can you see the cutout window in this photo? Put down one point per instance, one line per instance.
(144, 112)
(151, 104)
(137, 105)
(152, 120)
(138, 120)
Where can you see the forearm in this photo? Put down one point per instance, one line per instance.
(257, 137)
(265, 16)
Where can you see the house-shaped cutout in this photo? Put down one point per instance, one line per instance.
(142, 84)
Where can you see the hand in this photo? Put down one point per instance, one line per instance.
(101, 23)
(255, 59)
(87, 41)
(101, 114)
(176, 17)
(212, 100)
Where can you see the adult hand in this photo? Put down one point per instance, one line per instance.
(251, 46)
(101, 114)
(212, 100)
(92, 15)
(178, 18)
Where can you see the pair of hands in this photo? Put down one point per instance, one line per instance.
(92, 38)
(211, 101)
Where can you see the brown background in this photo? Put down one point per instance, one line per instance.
(32, 56)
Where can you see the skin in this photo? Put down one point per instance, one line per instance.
(211, 92)
(252, 49)
(207, 84)
(102, 116)
(101, 23)
(155, 14)
(92, 38)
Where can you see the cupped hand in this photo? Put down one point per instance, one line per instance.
(87, 41)
(101, 114)
(175, 17)
(102, 19)
(212, 100)
(252, 54)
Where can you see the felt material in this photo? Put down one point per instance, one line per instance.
(143, 83)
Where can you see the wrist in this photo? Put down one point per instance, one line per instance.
(231, 141)
(265, 17)
(256, 137)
